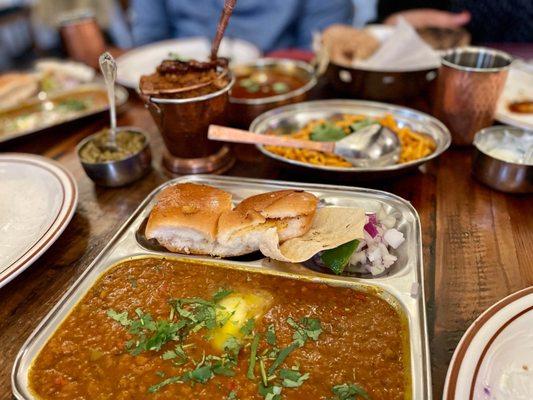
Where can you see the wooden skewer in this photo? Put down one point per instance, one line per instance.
(229, 5)
(224, 134)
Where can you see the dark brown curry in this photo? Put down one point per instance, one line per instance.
(161, 329)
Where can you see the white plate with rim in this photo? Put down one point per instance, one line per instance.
(38, 198)
(518, 87)
(144, 60)
(494, 359)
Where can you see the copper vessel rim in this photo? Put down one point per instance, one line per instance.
(476, 49)
(159, 100)
(263, 62)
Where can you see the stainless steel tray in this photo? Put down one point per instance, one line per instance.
(403, 285)
(121, 95)
(294, 116)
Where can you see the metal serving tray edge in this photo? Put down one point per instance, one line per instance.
(404, 284)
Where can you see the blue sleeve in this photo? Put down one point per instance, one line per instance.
(317, 15)
(149, 21)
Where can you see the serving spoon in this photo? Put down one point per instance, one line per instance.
(373, 145)
(108, 67)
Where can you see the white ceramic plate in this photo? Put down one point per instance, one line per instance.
(494, 359)
(144, 60)
(37, 200)
(519, 87)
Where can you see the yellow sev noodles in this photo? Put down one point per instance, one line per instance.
(414, 145)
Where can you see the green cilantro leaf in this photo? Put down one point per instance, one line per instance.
(253, 354)
(349, 391)
(362, 124)
(308, 328)
(232, 396)
(248, 327)
(270, 392)
(121, 318)
(337, 259)
(270, 335)
(327, 132)
(292, 378)
(280, 87)
(168, 381)
(221, 293)
(282, 355)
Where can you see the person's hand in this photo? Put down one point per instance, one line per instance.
(426, 17)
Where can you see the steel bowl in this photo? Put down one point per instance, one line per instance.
(120, 172)
(392, 85)
(499, 174)
(292, 117)
(244, 111)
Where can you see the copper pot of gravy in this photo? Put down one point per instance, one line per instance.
(183, 122)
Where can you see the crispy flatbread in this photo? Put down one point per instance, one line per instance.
(331, 227)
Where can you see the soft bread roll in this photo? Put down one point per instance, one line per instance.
(185, 217)
(16, 87)
(198, 219)
(291, 212)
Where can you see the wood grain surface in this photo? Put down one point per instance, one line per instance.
(478, 243)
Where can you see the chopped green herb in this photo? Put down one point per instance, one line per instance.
(72, 105)
(280, 87)
(308, 328)
(250, 85)
(161, 374)
(248, 327)
(232, 347)
(201, 374)
(327, 132)
(270, 335)
(253, 354)
(168, 381)
(362, 124)
(221, 293)
(270, 392)
(121, 318)
(232, 396)
(292, 378)
(337, 259)
(349, 391)
(282, 355)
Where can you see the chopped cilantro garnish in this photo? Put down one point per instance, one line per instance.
(168, 381)
(292, 378)
(280, 87)
(349, 391)
(232, 396)
(327, 132)
(362, 124)
(253, 354)
(270, 392)
(221, 293)
(282, 355)
(270, 335)
(248, 327)
(308, 328)
(121, 318)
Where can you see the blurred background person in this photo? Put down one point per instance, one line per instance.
(270, 25)
(486, 20)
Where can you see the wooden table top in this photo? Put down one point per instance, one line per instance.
(478, 243)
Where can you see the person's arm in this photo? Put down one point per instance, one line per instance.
(150, 21)
(316, 15)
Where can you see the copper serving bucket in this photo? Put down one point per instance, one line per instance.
(467, 89)
(183, 123)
